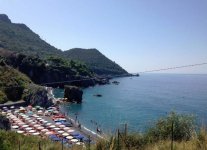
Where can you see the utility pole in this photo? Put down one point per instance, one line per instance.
(19, 144)
(89, 142)
(172, 135)
(39, 145)
(125, 129)
(62, 144)
(118, 148)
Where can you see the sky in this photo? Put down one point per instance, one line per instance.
(139, 35)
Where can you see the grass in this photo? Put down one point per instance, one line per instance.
(10, 141)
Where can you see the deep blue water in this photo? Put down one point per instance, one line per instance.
(139, 101)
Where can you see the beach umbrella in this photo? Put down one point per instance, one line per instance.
(44, 121)
(21, 123)
(36, 116)
(48, 124)
(61, 131)
(28, 128)
(49, 133)
(56, 139)
(15, 127)
(41, 120)
(5, 108)
(74, 140)
(25, 126)
(70, 131)
(37, 125)
(66, 128)
(62, 126)
(57, 129)
(36, 133)
(69, 137)
(52, 136)
(20, 131)
(32, 131)
(78, 143)
(40, 128)
(32, 122)
(44, 130)
(12, 107)
(74, 134)
(65, 134)
(79, 136)
(58, 123)
(52, 126)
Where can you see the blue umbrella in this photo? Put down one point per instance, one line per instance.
(79, 136)
(74, 134)
(56, 139)
(52, 136)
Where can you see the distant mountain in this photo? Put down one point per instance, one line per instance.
(19, 38)
(95, 60)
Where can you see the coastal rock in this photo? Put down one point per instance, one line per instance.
(73, 94)
(37, 95)
(4, 123)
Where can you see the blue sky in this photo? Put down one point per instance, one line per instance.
(137, 34)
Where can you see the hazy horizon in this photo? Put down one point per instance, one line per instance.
(137, 35)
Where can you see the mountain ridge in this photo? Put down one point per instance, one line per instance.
(20, 38)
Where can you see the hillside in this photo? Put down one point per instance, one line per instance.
(20, 38)
(15, 86)
(96, 61)
(50, 69)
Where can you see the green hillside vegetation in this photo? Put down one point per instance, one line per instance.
(11, 141)
(15, 86)
(19, 38)
(12, 84)
(95, 60)
(44, 70)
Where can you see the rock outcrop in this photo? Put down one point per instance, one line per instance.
(4, 123)
(37, 95)
(73, 94)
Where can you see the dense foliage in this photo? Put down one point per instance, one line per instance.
(12, 141)
(18, 37)
(12, 84)
(44, 70)
(15, 86)
(95, 60)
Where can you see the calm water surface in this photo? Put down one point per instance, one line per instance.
(139, 101)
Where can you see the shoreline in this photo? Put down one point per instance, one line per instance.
(84, 130)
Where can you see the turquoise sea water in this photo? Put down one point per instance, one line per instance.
(139, 101)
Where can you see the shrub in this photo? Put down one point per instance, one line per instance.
(183, 128)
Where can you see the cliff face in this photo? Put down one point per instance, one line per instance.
(52, 70)
(73, 94)
(4, 123)
(15, 86)
(37, 95)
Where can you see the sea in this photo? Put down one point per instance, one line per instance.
(139, 101)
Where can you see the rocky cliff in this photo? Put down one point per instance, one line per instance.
(73, 94)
